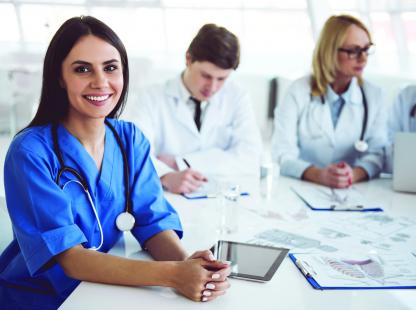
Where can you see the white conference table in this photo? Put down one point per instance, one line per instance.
(288, 289)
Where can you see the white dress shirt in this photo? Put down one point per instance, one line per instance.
(400, 120)
(228, 142)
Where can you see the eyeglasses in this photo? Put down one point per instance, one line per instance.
(357, 52)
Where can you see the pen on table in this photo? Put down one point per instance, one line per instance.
(186, 163)
(307, 271)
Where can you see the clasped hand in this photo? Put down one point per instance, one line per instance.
(201, 277)
(338, 175)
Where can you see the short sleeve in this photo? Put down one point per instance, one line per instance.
(41, 214)
(152, 211)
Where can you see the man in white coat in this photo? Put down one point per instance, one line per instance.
(401, 118)
(199, 124)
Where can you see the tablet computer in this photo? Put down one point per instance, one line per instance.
(250, 261)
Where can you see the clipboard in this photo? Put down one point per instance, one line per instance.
(311, 276)
(321, 198)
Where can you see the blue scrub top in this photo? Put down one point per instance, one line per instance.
(48, 220)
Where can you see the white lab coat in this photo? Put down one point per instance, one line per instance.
(304, 133)
(400, 120)
(228, 143)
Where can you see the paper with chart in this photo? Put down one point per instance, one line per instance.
(358, 232)
(370, 271)
(322, 197)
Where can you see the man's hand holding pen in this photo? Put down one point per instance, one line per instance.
(181, 182)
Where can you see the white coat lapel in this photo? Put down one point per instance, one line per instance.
(352, 114)
(322, 116)
(179, 110)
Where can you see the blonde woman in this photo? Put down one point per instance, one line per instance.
(330, 128)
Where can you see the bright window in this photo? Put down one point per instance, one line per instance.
(144, 31)
(183, 24)
(384, 39)
(40, 22)
(50, 1)
(278, 40)
(342, 5)
(275, 4)
(8, 23)
(202, 3)
(409, 22)
(380, 5)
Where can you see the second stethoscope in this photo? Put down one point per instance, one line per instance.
(125, 220)
(360, 145)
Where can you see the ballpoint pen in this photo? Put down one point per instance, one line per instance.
(186, 163)
(307, 271)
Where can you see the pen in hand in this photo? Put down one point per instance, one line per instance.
(186, 163)
(189, 166)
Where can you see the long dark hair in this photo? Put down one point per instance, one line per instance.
(53, 105)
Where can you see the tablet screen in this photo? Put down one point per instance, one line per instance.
(250, 261)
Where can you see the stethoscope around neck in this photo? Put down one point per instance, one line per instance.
(360, 145)
(125, 220)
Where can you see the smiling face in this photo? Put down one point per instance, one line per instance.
(347, 67)
(203, 79)
(92, 75)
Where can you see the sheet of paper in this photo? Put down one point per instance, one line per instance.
(209, 189)
(346, 270)
(340, 232)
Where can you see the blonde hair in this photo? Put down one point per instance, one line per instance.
(325, 60)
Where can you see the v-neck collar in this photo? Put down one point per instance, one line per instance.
(76, 156)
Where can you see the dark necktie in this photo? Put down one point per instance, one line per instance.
(197, 115)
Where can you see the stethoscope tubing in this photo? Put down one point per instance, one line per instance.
(94, 210)
(365, 116)
(81, 180)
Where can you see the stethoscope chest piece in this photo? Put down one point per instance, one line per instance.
(361, 146)
(125, 221)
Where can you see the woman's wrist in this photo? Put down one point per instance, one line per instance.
(359, 174)
(169, 273)
(312, 174)
(152, 273)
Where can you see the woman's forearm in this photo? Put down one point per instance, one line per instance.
(312, 174)
(359, 174)
(166, 246)
(86, 265)
(188, 276)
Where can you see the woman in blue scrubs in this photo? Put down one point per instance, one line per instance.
(330, 126)
(64, 219)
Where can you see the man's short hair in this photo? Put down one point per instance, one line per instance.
(216, 45)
